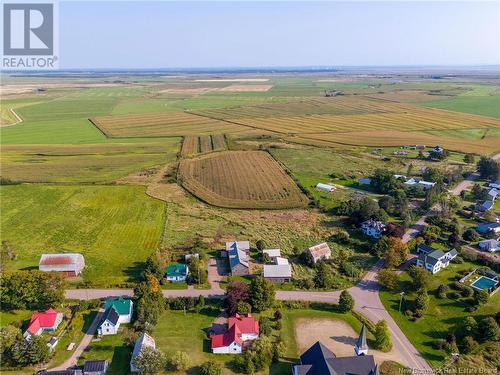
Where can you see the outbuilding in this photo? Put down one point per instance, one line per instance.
(325, 187)
(68, 264)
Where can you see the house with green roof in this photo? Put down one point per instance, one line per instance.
(177, 272)
(117, 311)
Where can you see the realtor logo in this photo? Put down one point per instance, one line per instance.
(29, 35)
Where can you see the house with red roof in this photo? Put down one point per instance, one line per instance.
(242, 331)
(46, 321)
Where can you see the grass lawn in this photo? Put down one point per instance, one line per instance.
(114, 227)
(479, 105)
(442, 317)
(112, 348)
(17, 317)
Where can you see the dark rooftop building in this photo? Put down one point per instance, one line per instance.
(60, 372)
(319, 360)
(98, 367)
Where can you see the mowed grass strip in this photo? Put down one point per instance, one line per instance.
(239, 179)
(167, 124)
(114, 227)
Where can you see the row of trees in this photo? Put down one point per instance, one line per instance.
(243, 298)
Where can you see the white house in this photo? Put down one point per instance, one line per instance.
(177, 272)
(434, 260)
(490, 245)
(117, 311)
(425, 184)
(143, 341)
(373, 228)
(325, 187)
(242, 331)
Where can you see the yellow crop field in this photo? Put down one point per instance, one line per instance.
(193, 145)
(240, 179)
(411, 120)
(166, 124)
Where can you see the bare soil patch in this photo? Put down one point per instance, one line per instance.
(336, 335)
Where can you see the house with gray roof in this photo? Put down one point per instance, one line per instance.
(432, 259)
(490, 245)
(319, 360)
(238, 254)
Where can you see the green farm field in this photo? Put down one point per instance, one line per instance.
(114, 227)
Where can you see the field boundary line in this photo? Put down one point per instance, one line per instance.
(91, 120)
(18, 118)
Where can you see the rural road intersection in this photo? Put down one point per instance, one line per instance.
(365, 294)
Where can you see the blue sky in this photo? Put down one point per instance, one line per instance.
(186, 34)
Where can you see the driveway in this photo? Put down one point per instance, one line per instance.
(73, 360)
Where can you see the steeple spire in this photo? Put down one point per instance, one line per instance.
(361, 347)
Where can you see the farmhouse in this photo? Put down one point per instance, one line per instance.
(69, 264)
(325, 187)
(425, 184)
(490, 245)
(98, 367)
(493, 194)
(434, 260)
(117, 311)
(238, 252)
(242, 331)
(373, 228)
(437, 149)
(485, 228)
(485, 206)
(177, 272)
(319, 360)
(280, 272)
(46, 321)
(142, 342)
(319, 252)
(494, 184)
(272, 253)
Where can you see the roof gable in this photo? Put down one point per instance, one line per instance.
(177, 269)
(121, 305)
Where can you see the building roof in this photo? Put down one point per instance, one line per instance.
(486, 227)
(425, 248)
(61, 372)
(273, 253)
(242, 245)
(377, 225)
(143, 341)
(452, 253)
(431, 258)
(365, 181)
(486, 205)
(238, 325)
(325, 186)
(281, 261)
(319, 360)
(361, 341)
(122, 305)
(95, 366)
(62, 262)
(493, 193)
(111, 315)
(45, 319)
(277, 270)
(320, 250)
(237, 254)
(177, 270)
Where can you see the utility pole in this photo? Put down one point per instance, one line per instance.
(401, 300)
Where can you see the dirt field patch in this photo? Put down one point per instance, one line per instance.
(246, 88)
(193, 145)
(336, 335)
(240, 179)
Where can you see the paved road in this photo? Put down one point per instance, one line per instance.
(73, 360)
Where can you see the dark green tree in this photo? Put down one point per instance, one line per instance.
(488, 168)
(261, 293)
(346, 302)
(382, 337)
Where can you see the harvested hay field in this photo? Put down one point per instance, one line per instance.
(412, 119)
(487, 145)
(168, 124)
(240, 179)
(341, 105)
(193, 145)
(246, 88)
(408, 96)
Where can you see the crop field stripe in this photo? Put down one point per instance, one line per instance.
(237, 179)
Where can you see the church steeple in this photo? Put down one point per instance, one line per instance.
(361, 347)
